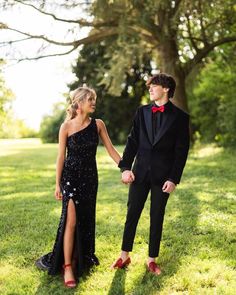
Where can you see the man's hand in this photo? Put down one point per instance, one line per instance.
(127, 176)
(168, 187)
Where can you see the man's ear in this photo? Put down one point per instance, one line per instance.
(166, 89)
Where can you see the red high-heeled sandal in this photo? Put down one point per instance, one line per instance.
(70, 283)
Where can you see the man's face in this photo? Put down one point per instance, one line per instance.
(157, 92)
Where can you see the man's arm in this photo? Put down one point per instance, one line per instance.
(181, 149)
(131, 147)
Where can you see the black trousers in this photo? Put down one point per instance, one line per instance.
(137, 197)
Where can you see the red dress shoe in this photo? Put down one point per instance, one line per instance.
(120, 264)
(154, 268)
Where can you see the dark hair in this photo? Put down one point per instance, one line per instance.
(165, 81)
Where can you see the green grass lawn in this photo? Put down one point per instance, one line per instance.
(198, 249)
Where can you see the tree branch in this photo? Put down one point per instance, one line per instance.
(81, 22)
(193, 38)
(91, 38)
(42, 37)
(203, 31)
(147, 34)
(6, 43)
(97, 36)
(46, 55)
(190, 34)
(175, 9)
(94, 37)
(202, 53)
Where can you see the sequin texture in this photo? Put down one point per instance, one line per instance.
(79, 182)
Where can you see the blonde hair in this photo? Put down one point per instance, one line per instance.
(77, 96)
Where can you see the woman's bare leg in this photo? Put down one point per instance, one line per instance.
(68, 240)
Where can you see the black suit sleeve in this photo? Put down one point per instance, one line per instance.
(131, 147)
(181, 148)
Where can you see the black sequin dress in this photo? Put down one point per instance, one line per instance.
(79, 182)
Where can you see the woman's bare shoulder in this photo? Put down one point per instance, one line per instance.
(65, 126)
(100, 124)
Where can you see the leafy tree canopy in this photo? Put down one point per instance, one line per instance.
(177, 34)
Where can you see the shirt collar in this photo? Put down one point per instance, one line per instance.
(167, 104)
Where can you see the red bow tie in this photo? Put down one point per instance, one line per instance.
(158, 109)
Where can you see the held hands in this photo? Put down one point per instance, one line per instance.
(168, 187)
(57, 193)
(127, 177)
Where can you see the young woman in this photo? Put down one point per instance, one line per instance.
(76, 186)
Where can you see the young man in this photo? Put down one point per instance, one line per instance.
(159, 142)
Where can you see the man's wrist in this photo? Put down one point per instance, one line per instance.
(172, 181)
(122, 169)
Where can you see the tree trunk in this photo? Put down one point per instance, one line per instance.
(180, 97)
(170, 64)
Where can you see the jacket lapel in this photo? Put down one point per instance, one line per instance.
(167, 120)
(147, 113)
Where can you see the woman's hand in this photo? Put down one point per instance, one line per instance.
(58, 194)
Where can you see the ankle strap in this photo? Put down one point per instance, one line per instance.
(66, 265)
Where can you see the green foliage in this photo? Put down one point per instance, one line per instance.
(50, 124)
(10, 126)
(212, 102)
(177, 35)
(227, 112)
(201, 23)
(152, 24)
(197, 252)
(117, 111)
(6, 98)
(6, 95)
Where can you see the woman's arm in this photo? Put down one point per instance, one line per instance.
(60, 159)
(102, 131)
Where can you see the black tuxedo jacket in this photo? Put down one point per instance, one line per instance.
(164, 157)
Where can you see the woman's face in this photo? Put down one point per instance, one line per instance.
(88, 105)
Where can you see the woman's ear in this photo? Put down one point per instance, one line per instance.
(78, 108)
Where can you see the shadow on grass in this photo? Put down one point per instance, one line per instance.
(118, 283)
(53, 285)
(176, 242)
(147, 284)
(179, 233)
